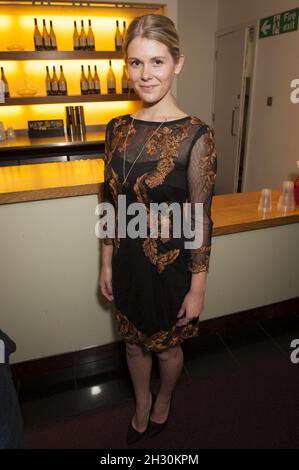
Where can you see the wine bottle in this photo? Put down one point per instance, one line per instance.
(53, 42)
(83, 82)
(118, 38)
(111, 82)
(37, 37)
(54, 82)
(76, 39)
(90, 38)
(124, 31)
(46, 37)
(90, 81)
(6, 86)
(96, 79)
(82, 38)
(62, 85)
(48, 82)
(124, 81)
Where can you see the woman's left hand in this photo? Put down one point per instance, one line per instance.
(191, 308)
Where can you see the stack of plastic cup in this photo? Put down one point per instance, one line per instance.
(265, 203)
(286, 202)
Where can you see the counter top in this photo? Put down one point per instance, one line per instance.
(231, 213)
(39, 181)
(22, 142)
(24, 147)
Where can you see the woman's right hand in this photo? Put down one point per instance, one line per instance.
(106, 282)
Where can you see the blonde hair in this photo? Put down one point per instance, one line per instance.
(157, 27)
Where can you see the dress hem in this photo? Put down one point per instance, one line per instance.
(159, 341)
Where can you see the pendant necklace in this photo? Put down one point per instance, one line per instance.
(125, 182)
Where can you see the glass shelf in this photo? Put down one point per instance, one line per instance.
(61, 55)
(70, 99)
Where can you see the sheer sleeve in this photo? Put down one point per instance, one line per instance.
(201, 175)
(106, 196)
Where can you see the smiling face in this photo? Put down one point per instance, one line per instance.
(151, 68)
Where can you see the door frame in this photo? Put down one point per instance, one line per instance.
(223, 32)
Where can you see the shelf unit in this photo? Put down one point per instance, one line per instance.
(70, 99)
(79, 9)
(64, 55)
(59, 55)
(96, 105)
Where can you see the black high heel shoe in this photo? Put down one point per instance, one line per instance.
(155, 428)
(132, 434)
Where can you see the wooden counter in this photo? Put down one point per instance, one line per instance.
(39, 181)
(231, 213)
(23, 142)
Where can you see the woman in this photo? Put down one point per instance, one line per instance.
(159, 154)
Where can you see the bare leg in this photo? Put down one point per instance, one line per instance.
(171, 363)
(140, 366)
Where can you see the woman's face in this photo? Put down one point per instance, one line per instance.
(151, 68)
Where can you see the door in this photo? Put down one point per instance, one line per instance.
(229, 98)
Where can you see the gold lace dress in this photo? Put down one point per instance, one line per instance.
(151, 276)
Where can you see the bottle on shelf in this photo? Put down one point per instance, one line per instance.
(90, 81)
(46, 37)
(70, 122)
(124, 31)
(80, 122)
(118, 38)
(48, 82)
(6, 86)
(90, 41)
(97, 83)
(111, 82)
(53, 42)
(82, 37)
(83, 82)
(37, 37)
(54, 82)
(124, 81)
(76, 38)
(62, 85)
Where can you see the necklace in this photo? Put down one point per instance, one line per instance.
(125, 183)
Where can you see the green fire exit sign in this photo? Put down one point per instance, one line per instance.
(285, 22)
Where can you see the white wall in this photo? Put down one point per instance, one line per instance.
(197, 25)
(273, 140)
(233, 12)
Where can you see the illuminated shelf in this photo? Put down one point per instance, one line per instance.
(70, 99)
(82, 4)
(59, 55)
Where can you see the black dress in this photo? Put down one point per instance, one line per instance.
(151, 276)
